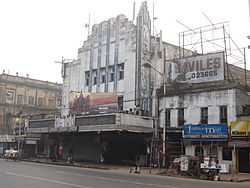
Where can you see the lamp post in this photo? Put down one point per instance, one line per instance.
(148, 65)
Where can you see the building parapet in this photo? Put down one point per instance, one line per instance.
(90, 123)
(173, 89)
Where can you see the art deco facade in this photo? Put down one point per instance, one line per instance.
(112, 60)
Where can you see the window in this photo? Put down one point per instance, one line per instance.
(121, 71)
(167, 117)
(19, 99)
(181, 117)
(103, 76)
(204, 115)
(227, 154)
(103, 79)
(223, 114)
(40, 101)
(59, 102)
(1, 95)
(31, 100)
(87, 75)
(246, 110)
(120, 103)
(94, 77)
(52, 102)
(10, 94)
(199, 152)
(111, 74)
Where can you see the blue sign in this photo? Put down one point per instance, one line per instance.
(206, 132)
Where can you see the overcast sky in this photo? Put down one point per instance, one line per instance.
(35, 33)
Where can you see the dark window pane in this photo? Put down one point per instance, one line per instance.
(181, 117)
(167, 117)
(227, 154)
(223, 114)
(204, 115)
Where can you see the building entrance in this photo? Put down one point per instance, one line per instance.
(244, 160)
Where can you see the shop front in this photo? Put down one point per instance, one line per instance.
(206, 140)
(240, 144)
(6, 142)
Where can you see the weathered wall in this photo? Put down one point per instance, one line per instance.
(193, 102)
(29, 96)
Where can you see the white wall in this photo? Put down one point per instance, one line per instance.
(193, 102)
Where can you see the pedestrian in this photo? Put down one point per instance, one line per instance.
(60, 152)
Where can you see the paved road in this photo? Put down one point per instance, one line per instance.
(34, 175)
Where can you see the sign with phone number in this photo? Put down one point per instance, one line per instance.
(199, 68)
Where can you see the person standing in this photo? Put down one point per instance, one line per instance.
(60, 152)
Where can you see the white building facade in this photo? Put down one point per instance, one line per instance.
(112, 60)
(205, 105)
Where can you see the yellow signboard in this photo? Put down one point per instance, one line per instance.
(240, 128)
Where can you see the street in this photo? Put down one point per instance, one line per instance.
(26, 175)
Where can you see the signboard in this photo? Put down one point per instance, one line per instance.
(30, 142)
(203, 132)
(184, 164)
(240, 128)
(93, 103)
(198, 68)
(64, 122)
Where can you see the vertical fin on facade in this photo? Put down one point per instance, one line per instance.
(143, 50)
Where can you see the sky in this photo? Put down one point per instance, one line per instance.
(36, 33)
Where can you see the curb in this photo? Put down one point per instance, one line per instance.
(67, 164)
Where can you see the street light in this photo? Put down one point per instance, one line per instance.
(149, 65)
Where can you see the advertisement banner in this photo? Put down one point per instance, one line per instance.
(240, 128)
(198, 68)
(93, 103)
(203, 132)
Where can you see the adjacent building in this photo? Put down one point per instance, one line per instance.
(23, 96)
(199, 107)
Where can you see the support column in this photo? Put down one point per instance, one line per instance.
(234, 161)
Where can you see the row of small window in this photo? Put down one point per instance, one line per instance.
(203, 116)
(31, 101)
(111, 74)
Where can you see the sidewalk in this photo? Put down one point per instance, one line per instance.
(64, 163)
(240, 177)
(114, 168)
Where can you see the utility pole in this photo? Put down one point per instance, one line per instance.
(164, 125)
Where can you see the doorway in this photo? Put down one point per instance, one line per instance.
(244, 160)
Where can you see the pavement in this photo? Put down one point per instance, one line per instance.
(22, 174)
(239, 177)
(114, 168)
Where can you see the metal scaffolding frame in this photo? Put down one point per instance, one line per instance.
(214, 38)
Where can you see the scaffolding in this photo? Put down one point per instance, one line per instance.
(211, 39)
